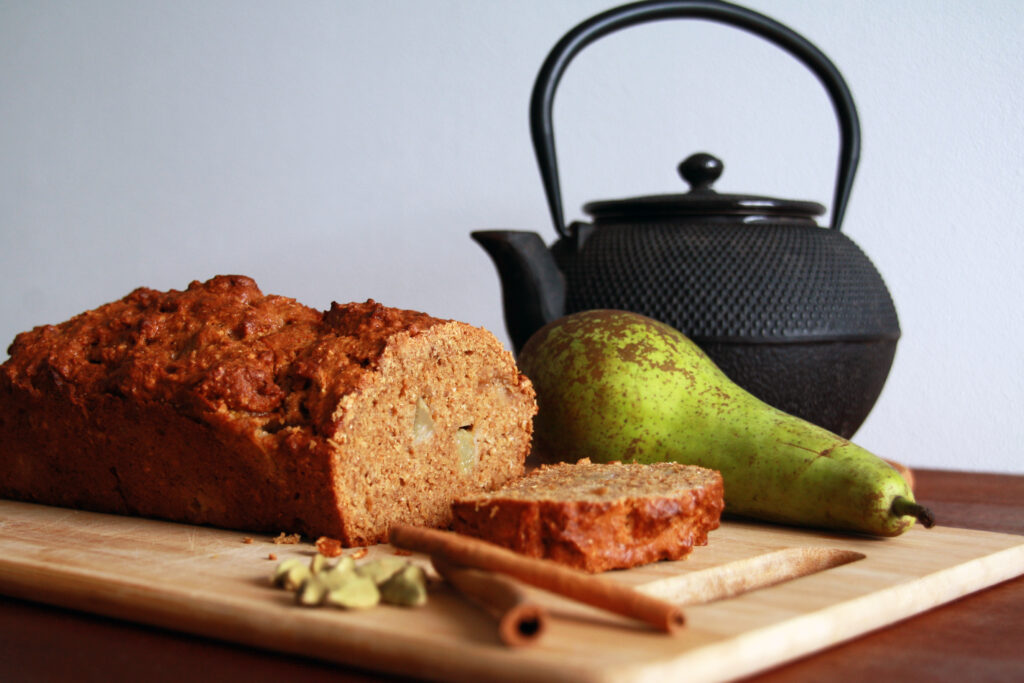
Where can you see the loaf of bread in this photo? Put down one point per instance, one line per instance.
(220, 405)
(597, 517)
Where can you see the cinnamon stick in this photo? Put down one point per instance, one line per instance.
(595, 591)
(520, 620)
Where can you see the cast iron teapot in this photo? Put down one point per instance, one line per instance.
(793, 312)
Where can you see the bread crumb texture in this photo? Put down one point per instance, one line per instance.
(598, 517)
(221, 405)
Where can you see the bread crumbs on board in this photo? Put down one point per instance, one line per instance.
(328, 547)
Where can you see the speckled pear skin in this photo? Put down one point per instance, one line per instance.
(614, 385)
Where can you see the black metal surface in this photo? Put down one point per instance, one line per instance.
(532, 286)
(546, 83)
(702, 202)
(832, 384)
(731, 282)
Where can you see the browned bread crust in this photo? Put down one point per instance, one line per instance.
(221, 405)
(597, 517)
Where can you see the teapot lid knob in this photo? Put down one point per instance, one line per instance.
(700, 170)
(702, 202)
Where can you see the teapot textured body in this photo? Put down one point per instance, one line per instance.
(793, 312)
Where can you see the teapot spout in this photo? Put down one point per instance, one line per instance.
(532, 286)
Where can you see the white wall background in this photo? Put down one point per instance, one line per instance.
(340, 150)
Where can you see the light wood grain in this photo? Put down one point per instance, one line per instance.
(208, 582)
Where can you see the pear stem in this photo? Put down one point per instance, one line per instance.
(903, 506)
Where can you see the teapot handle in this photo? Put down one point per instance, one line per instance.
(542, 130)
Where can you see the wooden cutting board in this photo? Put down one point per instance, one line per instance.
(828, 588)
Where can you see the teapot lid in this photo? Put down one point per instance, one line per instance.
(702, 202)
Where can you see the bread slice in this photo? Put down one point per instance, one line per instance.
(224, 406)
(598, 517)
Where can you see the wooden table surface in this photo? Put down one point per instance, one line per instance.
(977, 638)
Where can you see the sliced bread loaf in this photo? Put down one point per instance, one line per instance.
(597, 517)
(225, 406)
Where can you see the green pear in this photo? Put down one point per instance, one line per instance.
(614, 385)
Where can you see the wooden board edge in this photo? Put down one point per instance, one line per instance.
(240, 621)
(761, 649)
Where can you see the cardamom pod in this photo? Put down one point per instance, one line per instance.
(337, 576)
(351, 586)
(382, 568)
(282, 569)
(407, 587)
(358, 592)
(312, 592)
(318, 563)
(295, 577)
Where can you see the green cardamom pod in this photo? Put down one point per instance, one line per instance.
(282, 569)
(358, 592)
(318, 563)
(407, 587)
(336, 577)
(382, 568)
(295, 577)
(312, 592)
